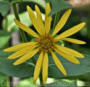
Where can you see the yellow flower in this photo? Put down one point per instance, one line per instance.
(46, 43)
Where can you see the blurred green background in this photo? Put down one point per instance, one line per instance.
(78, 75)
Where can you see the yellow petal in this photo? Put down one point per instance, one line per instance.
(34, 20)
(62, 22)
(38, 66)
(26, 29)
(21, 52)
(39, 19)
(48, 19)
(71, 31)
(70, 51)
(48, 9)
(58, 63)
(18, 47)
(68, 57)
(48, 24)
(26, 57)
(74, 41)
(45, 68)
(39, 16)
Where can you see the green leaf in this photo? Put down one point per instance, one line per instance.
(32, 3)
(6, 67)
(39, 2)
(4, 80)
(58, 5)
(62, 84)
(4, 38)
(4, 7)
(73, 70)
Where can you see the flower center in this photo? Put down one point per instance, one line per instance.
(45, 43)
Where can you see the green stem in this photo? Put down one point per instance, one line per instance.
(56, 19)
(6, 23)
(88, 25)
(17, 17)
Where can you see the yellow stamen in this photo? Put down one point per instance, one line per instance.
(45, 43)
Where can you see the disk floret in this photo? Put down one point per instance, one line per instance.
(46, 43)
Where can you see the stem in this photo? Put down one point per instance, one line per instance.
(6, 23)
(17, 17)
(88, 26)
(56, 19)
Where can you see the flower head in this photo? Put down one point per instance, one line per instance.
(46, 43)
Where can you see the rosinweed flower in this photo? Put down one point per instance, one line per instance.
(46, 43)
